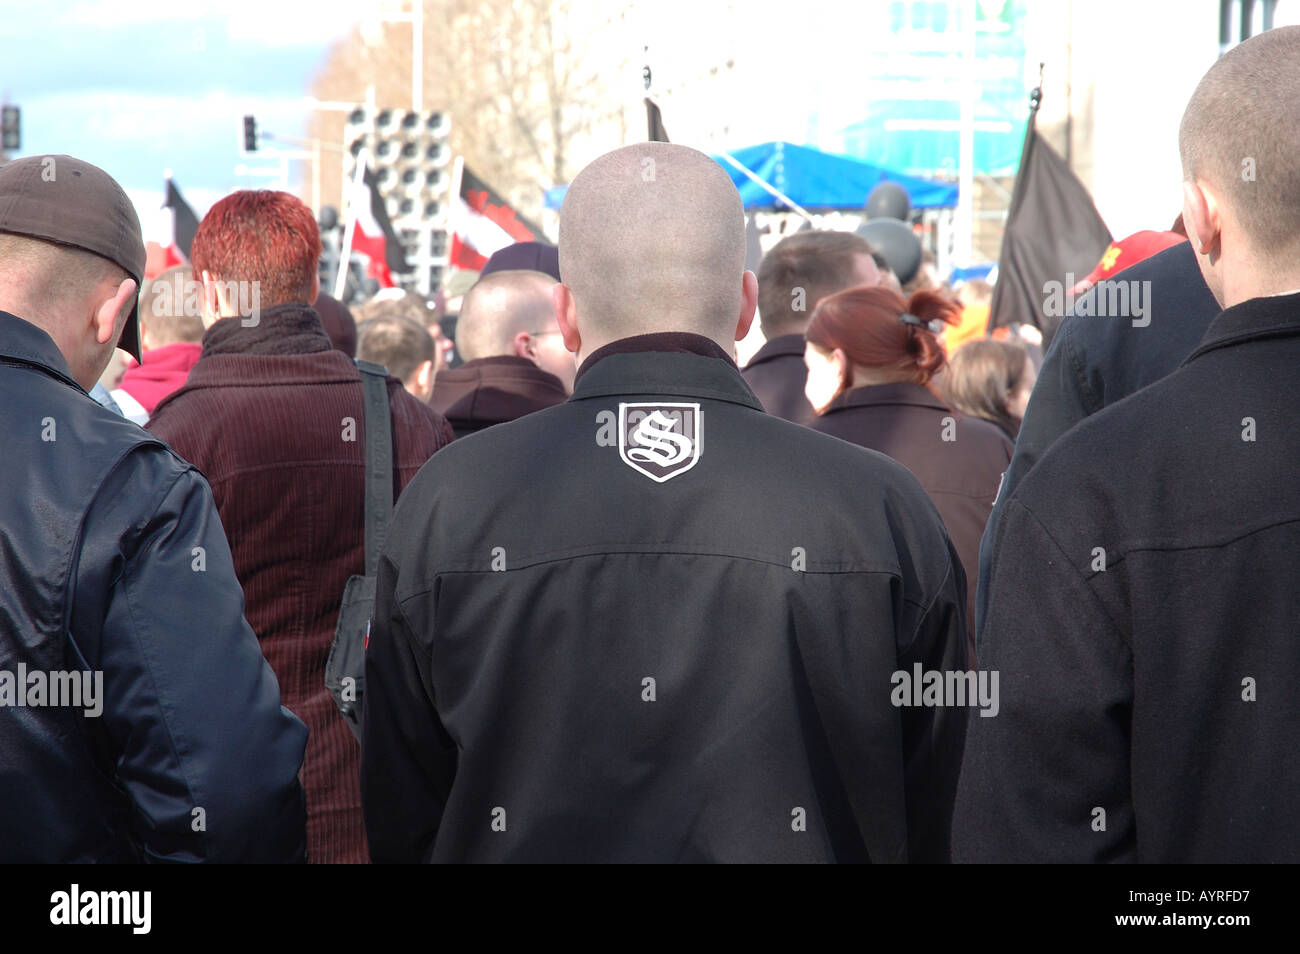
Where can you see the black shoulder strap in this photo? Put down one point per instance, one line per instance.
(379, 460)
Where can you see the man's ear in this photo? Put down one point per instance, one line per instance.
(748, 303)
(843, 369)
(1202, 218)
(523, 346)
(566, 316)
(105, 318)
(424, 378)
(211, 299)
(315, 287)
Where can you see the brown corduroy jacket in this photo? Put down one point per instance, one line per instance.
(274, 418)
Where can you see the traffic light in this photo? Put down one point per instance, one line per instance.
(11, 137)
(250, 134)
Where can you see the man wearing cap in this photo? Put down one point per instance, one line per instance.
(133, 694)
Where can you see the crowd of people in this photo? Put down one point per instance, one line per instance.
(923, 594)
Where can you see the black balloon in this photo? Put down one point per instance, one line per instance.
(897, 243)
(889, 200)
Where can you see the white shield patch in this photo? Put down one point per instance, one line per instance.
(661, 441)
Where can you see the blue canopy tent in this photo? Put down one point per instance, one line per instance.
(818, 181)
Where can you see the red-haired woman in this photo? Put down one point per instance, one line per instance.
(870, 356)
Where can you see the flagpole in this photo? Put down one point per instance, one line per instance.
(453, 212)
(1017, 197)
(345, 252)
(647, 76)
(771, 190)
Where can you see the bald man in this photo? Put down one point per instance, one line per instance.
(1143, 603)
(655, 623)
(515, 359)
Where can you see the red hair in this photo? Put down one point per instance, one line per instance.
(866, 324)
(263, 236)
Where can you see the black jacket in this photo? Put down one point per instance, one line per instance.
(577, 660)
(114, 562)
(958, 459)
(777, 375)
(1094, 362)
(1144, 623)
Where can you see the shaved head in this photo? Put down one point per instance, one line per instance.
(1240, 135)
(652, 238)
(498, 308)
(82, 301)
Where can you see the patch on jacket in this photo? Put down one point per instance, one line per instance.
(661, 441)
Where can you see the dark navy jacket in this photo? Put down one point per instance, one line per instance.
(1094, 362)
(113, 560)
(573, 659)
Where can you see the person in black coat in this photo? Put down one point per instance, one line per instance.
(1094, 362)
(655, 623)
(793, 276)
(1145, 589)
(133, 695)
(871, 355)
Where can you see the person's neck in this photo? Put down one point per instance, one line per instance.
(586, 350)
(1243, 281)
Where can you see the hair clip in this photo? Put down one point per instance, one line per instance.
(932, 326)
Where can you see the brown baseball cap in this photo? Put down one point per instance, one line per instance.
(70, 202)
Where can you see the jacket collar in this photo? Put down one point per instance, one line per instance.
(498, 366)
(781, 346)
(674, 363)
(1271, 317)
(22, 341)
(505, 374)
(895, 393)
(291, 328)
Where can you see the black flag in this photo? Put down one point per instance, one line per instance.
(1053, 234)
(655, 122)
(184, 222)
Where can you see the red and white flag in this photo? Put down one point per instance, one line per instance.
(483, 222)
(374, 235)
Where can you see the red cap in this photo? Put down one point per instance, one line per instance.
(1128, 251)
